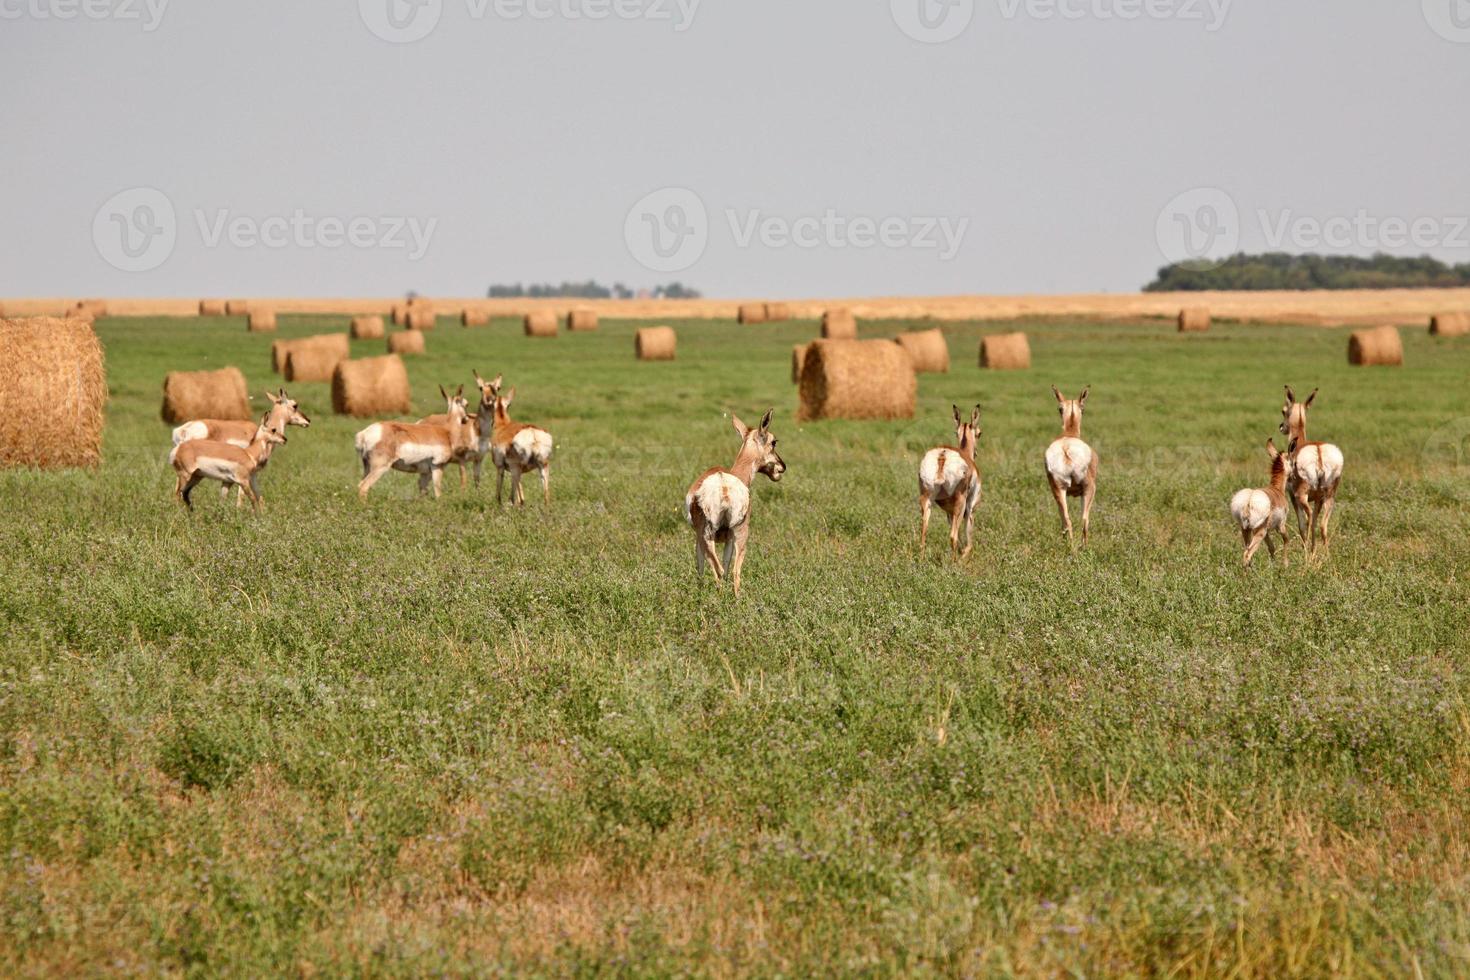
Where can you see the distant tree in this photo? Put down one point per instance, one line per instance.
(1278, 270)
(591, 289)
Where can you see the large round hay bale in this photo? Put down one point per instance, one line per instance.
(367, 328)
(371, 386)
(53, 389)
(798, 355)
(312, 362)
(839, 325)
(473, 318)
(541, 324)
(211, 307)
(927, 350)
(190, 395)
(582, 320)
(406, 342)
(857, 379)
(1450, 324)
(399, 314)
(1005, 352)
(237, 307)
(655, 343)
(420, 318)
(262, 321)
(336, 342)
(751, 313)
(776, 312)
(1194, 319)
(1380, 346)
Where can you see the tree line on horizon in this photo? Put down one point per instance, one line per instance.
(591, 289)
(1279, 270)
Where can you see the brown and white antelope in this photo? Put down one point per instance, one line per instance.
(200, 459)
(514, 448)
(717, 505)
(949, 477)
(412, 447)
(1313, 472)
(1260, 512)
(482, 419)
(284, 411)
(1071, 464)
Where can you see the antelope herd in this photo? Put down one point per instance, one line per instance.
(718, 504)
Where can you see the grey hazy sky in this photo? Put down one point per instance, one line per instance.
(529, 139)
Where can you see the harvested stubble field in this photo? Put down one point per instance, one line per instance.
(415, 737)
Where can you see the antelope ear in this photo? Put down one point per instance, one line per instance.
(1290, 396)
(270, 398)
(443, 394)
(1057, 393)
(496, 383)
(1311, 398)
(1271, 448)
(459, 392)
(741, 428)
(975, 416)
(478, 380)
(508, 397)
(957, 419)
(766, 422)
(1082, 398)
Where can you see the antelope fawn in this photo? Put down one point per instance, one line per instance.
(515, 448)
(284, 411)
(411, 447)
(1071, 465)
(1313, 472)
(717, 505)
(1260, 512)
(199, 459)
(949, 477)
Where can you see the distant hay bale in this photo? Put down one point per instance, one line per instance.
(839, 325)
(751, 313)
(473, 318)
(1194, 319)
(1380, 346)
(582, 320)
(798, 355)
(542, 323)
(337, 342)
(857, 379)
(367, 328)
(371, 386)
(1005, 352)
(776, 312)
(399, 314)
(237, 307)
(420, 318)
(312, 362)
(53, 389)
(927, 349)
(262, 321)
(406, 342)
(655, 343)
(211, 307)
(190, 395)
(1450, 324)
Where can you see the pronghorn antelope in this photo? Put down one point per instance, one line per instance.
(1313, 471)
(1071, 465)
(199, 459)
(1259, 512)
(477, 452)
(949, 477)
(717, 505)
(411, 447)
(513, 447)
(284, 411)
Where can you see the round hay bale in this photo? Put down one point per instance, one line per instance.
(190, 395)
(421, 318)
(473, 318)
(655, 343)
(48, 364)
(776, 312)
(1381, 346)
(1450, 324)
(751, 313)
(262, 321)
(399, 314)
(406, 342)
(541, 324)
(857, 379)
(312, 362)
(367, 328)
(237, 307)
(582, 320)
(927, 350)
(1005, 352)
(336, 342)
(839, 325)
(211, 307)
(371, 386)
(1194, 319)
(798, 355)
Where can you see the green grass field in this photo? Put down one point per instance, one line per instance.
(421, 737)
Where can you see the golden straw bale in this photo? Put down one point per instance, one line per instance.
(541, 324)
(399, 314)
(190, 395)
(1381, 346)
(211, 307)
(927, 349)
(655, 343)
(839, 325)
(776, 312)
(1450, 324)
(473, 318)
(1005, 352)
(406, 342)
(367, 328)
(237, 307)
(336, 342)
(1194, 319)
(371, 386)
(798, 355)
(751, 313)
(857, 379)
(262, 321)
(53, 389)
(312, 362)
(420, 318)
(582, 320)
